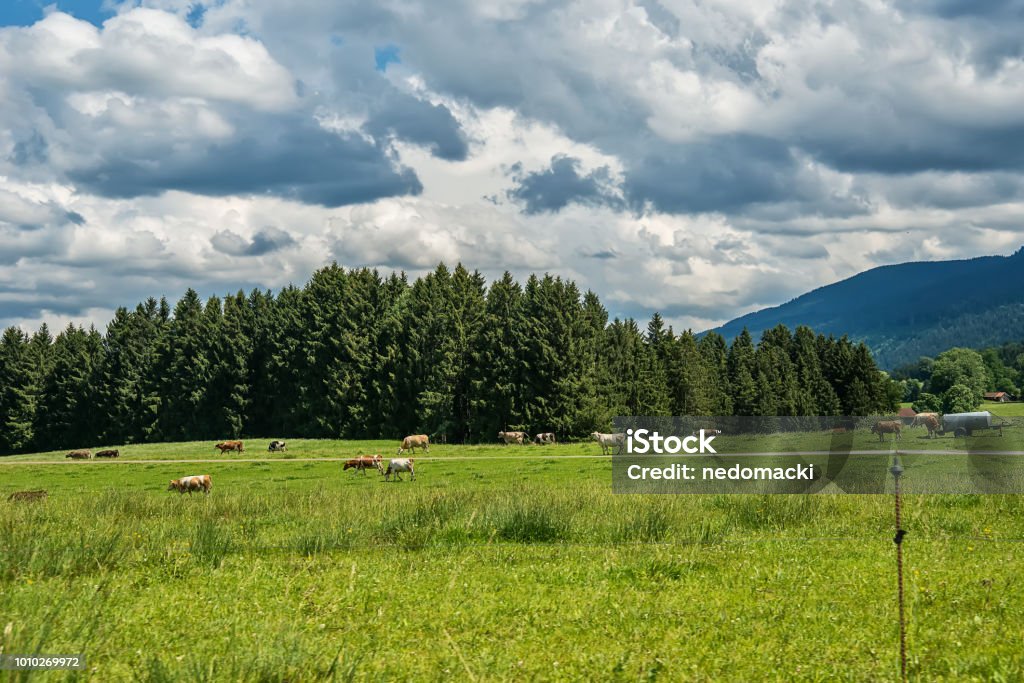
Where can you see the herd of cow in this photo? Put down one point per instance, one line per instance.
(610, 443)
(929, 421)
(523, 438)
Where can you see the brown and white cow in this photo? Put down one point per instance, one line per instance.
(196, 482)
(108, 454)
(363, 463)
(930, 422)
(544, 438)
(225, 446)
(520, 438)
(887, 427)
(397, 465)
(414, 441)
(79, 455)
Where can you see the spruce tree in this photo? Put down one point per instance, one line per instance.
(17, 396)
(741, 375)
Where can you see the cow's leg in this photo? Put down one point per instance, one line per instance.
(412, 474)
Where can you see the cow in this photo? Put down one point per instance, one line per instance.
(920, 418)
(887, 427)
(109, 454)
(79, 455)
(544, 438)
(225, 446)
(276, 446)
(414, 441)
(397, 465)
(39, 494)
(363, 463)
(610, 441)
(513, 437)
(930, 422)
(712, 432)
(197, 482)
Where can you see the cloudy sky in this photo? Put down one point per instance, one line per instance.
(703, 158)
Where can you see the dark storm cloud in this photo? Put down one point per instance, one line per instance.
(560, 185)
(430, 125)
(263, 242)
(602, 255)
(293, 159)
(723, 175)
(924, 146)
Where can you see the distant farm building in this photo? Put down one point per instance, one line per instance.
(998, 396)
(906, 415)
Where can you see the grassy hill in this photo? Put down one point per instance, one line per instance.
(912, 309)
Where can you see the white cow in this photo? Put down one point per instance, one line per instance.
(400, 465)
(610, 441)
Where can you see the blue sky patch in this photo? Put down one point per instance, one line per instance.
(27, 12)
(195, 15)
(384, 55)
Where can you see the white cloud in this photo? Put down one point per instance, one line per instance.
(146, 52)
(747, 151)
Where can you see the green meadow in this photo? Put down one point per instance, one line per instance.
(497, 563)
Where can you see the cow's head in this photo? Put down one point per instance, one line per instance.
(173, 485)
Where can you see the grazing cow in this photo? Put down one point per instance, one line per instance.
(39, 494)
(198, 482)
(414, 441)
(610, 441)
(887, 427)
(712, 432)
(397, 465)
(839, 430)
(109, 454)
(276, 446)
(363, 463)
(225, 446)
(79, 455)
(544, 438)
(514, 437)
(930, 422)
(920, 418)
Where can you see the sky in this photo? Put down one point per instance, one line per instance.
(701, 158)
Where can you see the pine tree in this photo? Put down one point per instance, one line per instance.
(65, 412)
(741, 375)
(816, 396)
(184, 372)
(227, 397)
(714, 358)
(17, 397)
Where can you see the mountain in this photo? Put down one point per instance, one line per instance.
(910, 310)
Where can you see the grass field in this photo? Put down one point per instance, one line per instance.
(495, 564)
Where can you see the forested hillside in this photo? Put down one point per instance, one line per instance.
(906, 311)
(356, 354)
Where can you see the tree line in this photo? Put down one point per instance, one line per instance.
(956, 380)
(354, 354)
